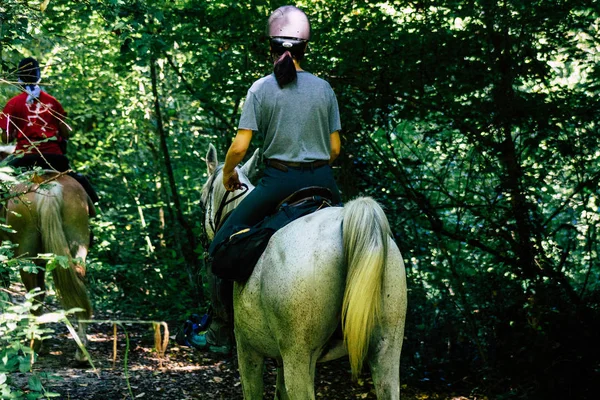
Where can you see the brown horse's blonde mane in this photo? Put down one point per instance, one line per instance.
(50, 213)
(69, 281)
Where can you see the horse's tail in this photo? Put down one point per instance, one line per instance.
(366, 233)
(68, 281)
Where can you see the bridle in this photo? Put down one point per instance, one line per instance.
(217, 222)
(206, 209)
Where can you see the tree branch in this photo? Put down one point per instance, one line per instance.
(206, 104)
(193, 263)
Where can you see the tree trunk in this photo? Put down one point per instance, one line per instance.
(193, 263)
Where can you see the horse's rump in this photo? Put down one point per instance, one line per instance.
(320, 269)
(299, 281)
(51, 216)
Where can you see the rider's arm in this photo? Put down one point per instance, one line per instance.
(336, 146)
(64, 130)
(237, 150)
(6, 123)
(5, 137)
(236, 154)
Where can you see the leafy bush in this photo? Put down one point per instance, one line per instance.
(18, 329)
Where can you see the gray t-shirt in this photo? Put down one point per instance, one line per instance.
(296, 121)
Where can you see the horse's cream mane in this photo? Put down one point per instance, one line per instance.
(215, 184)
(6, 150)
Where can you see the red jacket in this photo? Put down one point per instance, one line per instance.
(33, 122)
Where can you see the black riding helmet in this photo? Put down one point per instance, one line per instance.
(29, 71)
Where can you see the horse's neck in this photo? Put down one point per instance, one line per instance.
(231, 206)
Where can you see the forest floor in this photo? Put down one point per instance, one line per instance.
(137, 371)
(183, 373)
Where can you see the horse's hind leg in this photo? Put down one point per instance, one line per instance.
(80, 356)
(35, 280)
(32, 281)
(251, 370)
(385, 369)
(280, 390)
(299, 374)
(386, 340)
(27, 237)
(29, 243)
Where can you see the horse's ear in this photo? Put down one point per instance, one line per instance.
(250, 168)
(211, 159)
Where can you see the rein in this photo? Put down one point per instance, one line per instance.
(207, 211)
(224, 202)
(207, 208)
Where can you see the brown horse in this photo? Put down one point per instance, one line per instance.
(51, 215)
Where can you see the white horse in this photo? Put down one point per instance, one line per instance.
(338, 264)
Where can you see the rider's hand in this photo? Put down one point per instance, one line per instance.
(231, 181)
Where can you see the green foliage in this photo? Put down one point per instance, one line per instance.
(469, 147)
(17, 329)
(473, 122)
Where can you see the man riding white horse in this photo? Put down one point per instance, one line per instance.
(297, 114)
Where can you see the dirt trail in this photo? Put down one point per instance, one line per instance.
(185, 373)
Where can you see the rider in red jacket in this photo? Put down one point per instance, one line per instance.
(37, 121)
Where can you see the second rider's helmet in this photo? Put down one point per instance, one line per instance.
(28, 71)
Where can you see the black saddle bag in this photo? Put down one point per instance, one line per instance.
(235, 257)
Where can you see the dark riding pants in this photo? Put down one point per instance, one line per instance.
(273, 188)
(56, 162)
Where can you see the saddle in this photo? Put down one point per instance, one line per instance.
(51, 163)
(306, 194)
(235, 258)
